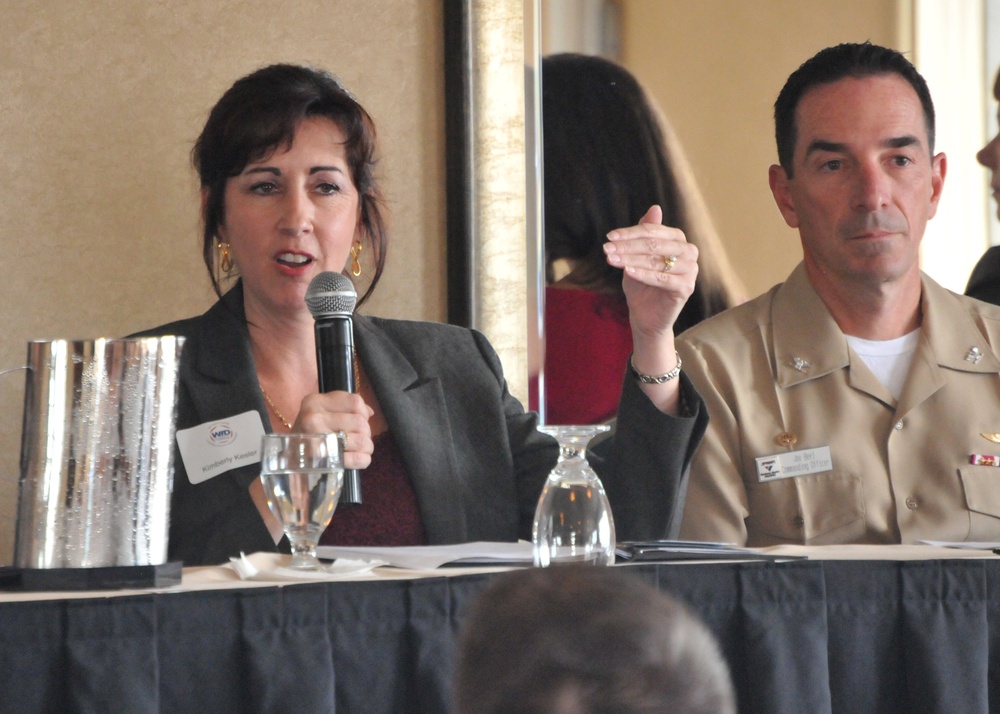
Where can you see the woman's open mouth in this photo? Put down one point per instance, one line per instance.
(294, 260)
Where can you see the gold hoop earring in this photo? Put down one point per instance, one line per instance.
(225, 259)
(355, 256)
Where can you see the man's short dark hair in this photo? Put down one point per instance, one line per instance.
(836, 63)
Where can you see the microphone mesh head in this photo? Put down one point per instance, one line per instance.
(330, 294)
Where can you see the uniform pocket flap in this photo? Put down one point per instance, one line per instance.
(807, 509)
(982, 489)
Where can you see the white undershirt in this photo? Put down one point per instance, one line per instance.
(889, 360)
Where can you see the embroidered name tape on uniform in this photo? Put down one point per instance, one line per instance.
(794, 463)
(215, 447)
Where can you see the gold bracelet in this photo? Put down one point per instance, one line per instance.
(657, 378)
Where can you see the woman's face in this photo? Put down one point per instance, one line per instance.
(291, 215)
(989, 156)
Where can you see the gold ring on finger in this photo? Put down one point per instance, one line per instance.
(669, 262)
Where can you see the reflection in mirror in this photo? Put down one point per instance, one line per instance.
(609, 154)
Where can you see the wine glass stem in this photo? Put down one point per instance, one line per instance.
(303, 555)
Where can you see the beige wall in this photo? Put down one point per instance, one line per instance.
(716, 67)
(99, 105)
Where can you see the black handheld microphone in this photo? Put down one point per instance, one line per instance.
(331, 298)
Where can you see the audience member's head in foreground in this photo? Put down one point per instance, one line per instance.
(583, 640)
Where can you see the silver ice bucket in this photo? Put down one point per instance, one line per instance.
(97, 452)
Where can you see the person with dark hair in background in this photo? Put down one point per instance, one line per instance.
(984, 282)
(857, 402)
(608, 155)
(586, 640)
(286, 162)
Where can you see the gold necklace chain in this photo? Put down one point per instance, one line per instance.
(281, 417)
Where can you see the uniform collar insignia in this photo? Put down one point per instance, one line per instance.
(786, 438)
(800, 364)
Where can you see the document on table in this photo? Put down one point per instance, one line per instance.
(964, 545)
(485, 553)
(430, 557)
(667, 550)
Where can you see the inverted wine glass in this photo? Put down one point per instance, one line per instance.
(573, 522)
(302, 475)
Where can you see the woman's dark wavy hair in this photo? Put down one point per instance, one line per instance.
(260, 113)
(607, 160)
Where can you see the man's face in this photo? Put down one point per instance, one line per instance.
(864, 182)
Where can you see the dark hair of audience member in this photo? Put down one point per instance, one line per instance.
(586, 640)
(836, 63)
(609, 155)
(260, 114)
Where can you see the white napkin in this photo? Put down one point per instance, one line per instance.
(329, 571)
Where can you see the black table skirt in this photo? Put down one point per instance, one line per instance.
(805, 636)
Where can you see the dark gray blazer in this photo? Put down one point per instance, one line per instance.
(984, 282)
(476, 461)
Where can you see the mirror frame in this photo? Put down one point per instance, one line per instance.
(486, 170)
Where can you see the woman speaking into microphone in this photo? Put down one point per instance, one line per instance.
(447, 455)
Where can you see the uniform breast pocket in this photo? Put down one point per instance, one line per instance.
(816, 509)
(982, 496)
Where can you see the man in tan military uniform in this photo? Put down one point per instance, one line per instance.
(858, 402)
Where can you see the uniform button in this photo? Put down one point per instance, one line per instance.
(798, 521)
(912, 503)
(898, 425)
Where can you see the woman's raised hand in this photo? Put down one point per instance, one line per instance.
(339, 411)
(660, 268)
(660, 271)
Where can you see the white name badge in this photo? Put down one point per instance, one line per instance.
(215, 447)
(794, 463)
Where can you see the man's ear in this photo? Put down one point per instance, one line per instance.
(939, 167)
(779, 182)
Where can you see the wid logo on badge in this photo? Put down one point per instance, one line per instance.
(221, 434)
